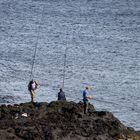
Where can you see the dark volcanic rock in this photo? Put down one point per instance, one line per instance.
(60, 120)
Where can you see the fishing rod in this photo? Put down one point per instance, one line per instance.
(34, 57)
(36, 45)
(64, 68)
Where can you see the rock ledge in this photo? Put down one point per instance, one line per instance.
(60, 120)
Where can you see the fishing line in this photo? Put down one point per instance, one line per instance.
(117, 104)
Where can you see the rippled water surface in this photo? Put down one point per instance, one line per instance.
(102, 38)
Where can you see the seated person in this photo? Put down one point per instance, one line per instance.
(61, 95)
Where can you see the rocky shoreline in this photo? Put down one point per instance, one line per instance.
(60, 120)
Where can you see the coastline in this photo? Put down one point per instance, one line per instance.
(61, 120)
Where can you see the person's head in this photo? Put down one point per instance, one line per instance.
(32, 80)
(61, 89)
(87, 88)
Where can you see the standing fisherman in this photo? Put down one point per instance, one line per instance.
(86, 98)
(32, 86)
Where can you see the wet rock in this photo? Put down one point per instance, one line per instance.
(60, 120)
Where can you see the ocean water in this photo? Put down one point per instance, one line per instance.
(101, 39)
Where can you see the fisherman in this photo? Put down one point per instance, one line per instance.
(61, 95)
(32, 86)
(86, 98)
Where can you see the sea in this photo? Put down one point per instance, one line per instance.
(72, 44)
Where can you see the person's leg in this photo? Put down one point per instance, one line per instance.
(32, 96)
(85, 107)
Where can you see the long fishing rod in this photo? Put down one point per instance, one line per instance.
(35, 47)
(34, 57)
(64, 68)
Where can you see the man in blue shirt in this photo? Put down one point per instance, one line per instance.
(86, 98)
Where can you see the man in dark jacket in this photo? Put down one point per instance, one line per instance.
(61, 95)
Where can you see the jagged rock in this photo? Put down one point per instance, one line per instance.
(60, 120)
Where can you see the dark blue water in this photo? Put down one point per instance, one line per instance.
(102, 38)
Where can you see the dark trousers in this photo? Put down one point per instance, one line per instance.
(85, 107)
